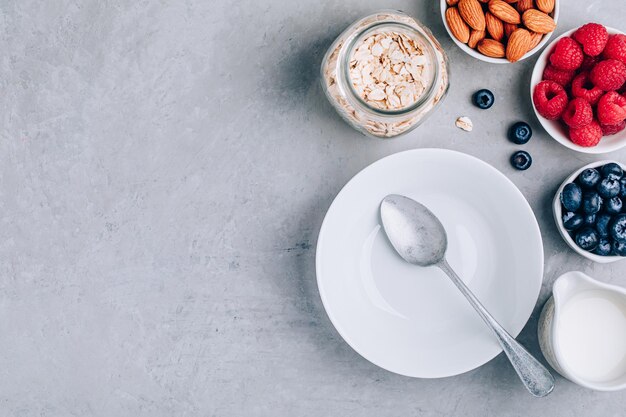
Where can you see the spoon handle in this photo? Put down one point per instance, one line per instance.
(535, 377)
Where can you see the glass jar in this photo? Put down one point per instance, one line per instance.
(360, 79)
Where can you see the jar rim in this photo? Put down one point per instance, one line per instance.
(427, 46)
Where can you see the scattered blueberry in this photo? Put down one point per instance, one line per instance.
(602, 224)
(613, 205)
(589, 219)
(619, 248)
(618, 228)
(483, 99)
(589, 178)
(520, 133)
(604, 247)
(608, 188)
(592, 202)
(572, 221)
(612, 171)
(587, 238)
(571, 197)
(521, 160)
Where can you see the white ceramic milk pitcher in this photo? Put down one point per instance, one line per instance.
(582, 331)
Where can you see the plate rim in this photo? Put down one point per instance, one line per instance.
(526, 206)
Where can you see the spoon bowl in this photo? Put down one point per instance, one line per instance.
(419, 236)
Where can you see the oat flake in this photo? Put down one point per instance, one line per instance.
(464, 123)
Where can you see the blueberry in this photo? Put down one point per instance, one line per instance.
(520, 133)
(604, 247)
(613, 205)
(571, 197)
(617, 228)
(619, 248)
(587, 238)
(622, 187)
(589, 178)
(589, 219)
(483, 98)
(572, 221)
(592, 202)
(612, 170)
(521, 160)
(608, 188)
(602, 224)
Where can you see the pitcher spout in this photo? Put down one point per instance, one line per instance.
(571, 283)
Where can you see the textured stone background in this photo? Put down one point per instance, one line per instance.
(164, 170)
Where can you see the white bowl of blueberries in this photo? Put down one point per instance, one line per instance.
(590, 211)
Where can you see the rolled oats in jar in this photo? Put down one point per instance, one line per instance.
(385, 74)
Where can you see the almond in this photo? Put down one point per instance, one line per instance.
(508, 29)
(511, 1)
(494, 26)
(457, 25)
(491, 48)
(545, 6)
(523, 5)
(535, 38)
(538, 21)
(484, 1)
(452, 2)
(518, 44)
(504, 11)
(475, 37)
(472, 13)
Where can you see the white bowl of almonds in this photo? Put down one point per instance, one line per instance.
(500, 31)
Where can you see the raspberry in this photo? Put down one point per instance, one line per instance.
(592, 37)
(611, 108)
(562, 77)
(567, 54)
(608, 75)
(589, 62)
(616, 48)
(612, 129)
(583, 88)
(586, 136)
(578, 113)
(550, 99)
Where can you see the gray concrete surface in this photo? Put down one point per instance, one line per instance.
(164, 170)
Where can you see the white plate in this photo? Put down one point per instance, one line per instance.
(412, 320)
(553, 127)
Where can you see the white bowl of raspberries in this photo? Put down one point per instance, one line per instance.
(590, 211)
(578, 89)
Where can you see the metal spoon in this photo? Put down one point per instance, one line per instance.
(419, 237)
